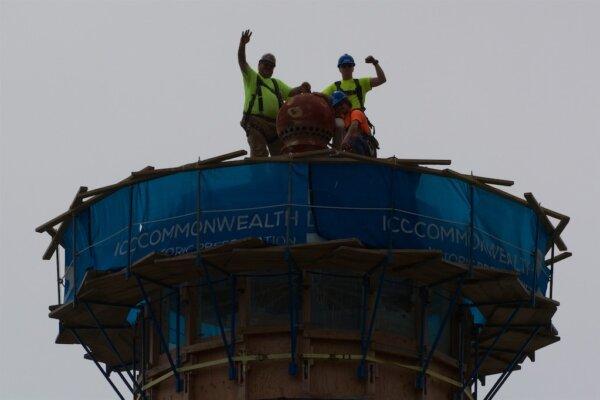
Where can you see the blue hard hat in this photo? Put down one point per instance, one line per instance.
(345, 59)
(337, 97)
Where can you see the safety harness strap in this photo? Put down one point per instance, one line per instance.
(258, 94)
(357, 91)
(276, 92)
(372, 142)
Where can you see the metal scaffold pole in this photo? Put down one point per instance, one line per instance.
(497, 337)
(129, 223)
(104, 373)
(440, 332)
(115, 352)
(158, 330)
(58, 279)
(74, 258)
(510, 368)
(201, 263)
(424, 302)
(293, 311)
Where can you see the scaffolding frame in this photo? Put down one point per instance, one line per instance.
(368, 315)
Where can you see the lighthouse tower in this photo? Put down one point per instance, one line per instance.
(318, 274)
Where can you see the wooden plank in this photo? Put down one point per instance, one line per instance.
(393, 161)
(56, 238)
(370, 160)
(478, 180)
(347, 256)
(51, 231)
(151, 172)
(555, 214)
(100, 193)
(72, 315)
(487, 291)
(192, 166)
(297, 156)
(341, 158)
(122, 340)
(122, 183)
(468, 178)
(223, 157)
(421, 161)
(514, 338)
(311, 154)
(562, 225)
(533, 203)
(428, 270)
(526, 316)
(558, 258)
(76, 201)
(493, 181)
(144, 171)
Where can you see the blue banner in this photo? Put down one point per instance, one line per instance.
(304, 202)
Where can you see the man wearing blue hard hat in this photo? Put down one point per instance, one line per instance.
(355, 89)
(353, 130)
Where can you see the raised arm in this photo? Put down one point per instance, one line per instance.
(242, 50)
(380, 79)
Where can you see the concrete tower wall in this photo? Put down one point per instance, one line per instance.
(327, 358)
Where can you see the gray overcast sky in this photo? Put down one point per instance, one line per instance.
(93, 90)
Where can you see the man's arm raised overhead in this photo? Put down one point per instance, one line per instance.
(380, 79)
(242, 50)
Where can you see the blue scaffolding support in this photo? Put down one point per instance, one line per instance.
(497, 337)
(510, 368)
(158, 330)
(113, 348)
(293, 308)
(423, 302)
(201, 263)
(365, 341)
(91, 356)
(425, 365)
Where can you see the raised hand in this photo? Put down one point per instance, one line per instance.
(371, 60)
(245, 36)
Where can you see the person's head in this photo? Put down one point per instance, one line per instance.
(340, 103)
(266, 65)
(346, 66)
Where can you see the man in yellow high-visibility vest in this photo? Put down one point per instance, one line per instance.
(263, 96)
(355, 89)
